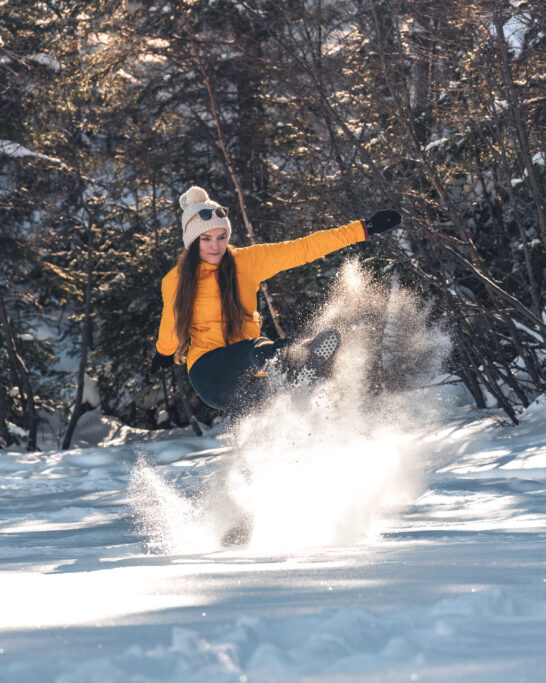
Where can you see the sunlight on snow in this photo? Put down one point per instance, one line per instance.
(65, 599)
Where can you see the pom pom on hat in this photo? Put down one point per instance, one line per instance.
(194, 195)
(191, 202)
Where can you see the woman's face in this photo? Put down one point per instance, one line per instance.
(213, 245)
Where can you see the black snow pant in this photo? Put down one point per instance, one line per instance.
(225, 378)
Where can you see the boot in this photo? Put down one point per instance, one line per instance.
(320, 355)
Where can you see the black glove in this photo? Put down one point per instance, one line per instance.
(161, 361)
(383, 220)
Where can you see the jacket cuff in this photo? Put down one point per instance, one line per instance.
(365, 228)
(162, 351)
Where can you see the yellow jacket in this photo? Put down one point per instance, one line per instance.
(254, 265)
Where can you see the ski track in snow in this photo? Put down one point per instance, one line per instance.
(452, 588)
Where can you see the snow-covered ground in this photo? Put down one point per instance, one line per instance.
(392, 537)
(446, 582)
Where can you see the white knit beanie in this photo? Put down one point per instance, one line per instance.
(192, 201)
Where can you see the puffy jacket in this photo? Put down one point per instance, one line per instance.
(254, 265)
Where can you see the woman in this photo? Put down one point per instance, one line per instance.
(209, 300)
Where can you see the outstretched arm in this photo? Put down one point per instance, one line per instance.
(267, 260)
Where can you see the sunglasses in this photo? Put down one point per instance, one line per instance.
(206, 214)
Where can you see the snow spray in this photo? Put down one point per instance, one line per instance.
(327, 464)
(171, 521)
(330, 464)
(177, 520)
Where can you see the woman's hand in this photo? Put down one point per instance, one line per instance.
(161, 361)
(383, 220)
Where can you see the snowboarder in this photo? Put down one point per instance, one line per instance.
(209, 314)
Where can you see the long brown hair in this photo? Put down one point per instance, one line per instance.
(233, 312)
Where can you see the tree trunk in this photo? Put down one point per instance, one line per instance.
(515, 112)
(179, 375)
(248, 225)
(4, 434)
(85, 342)
(21, 373)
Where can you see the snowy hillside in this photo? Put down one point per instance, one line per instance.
(452, 586)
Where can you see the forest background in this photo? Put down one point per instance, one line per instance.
(298, 115)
